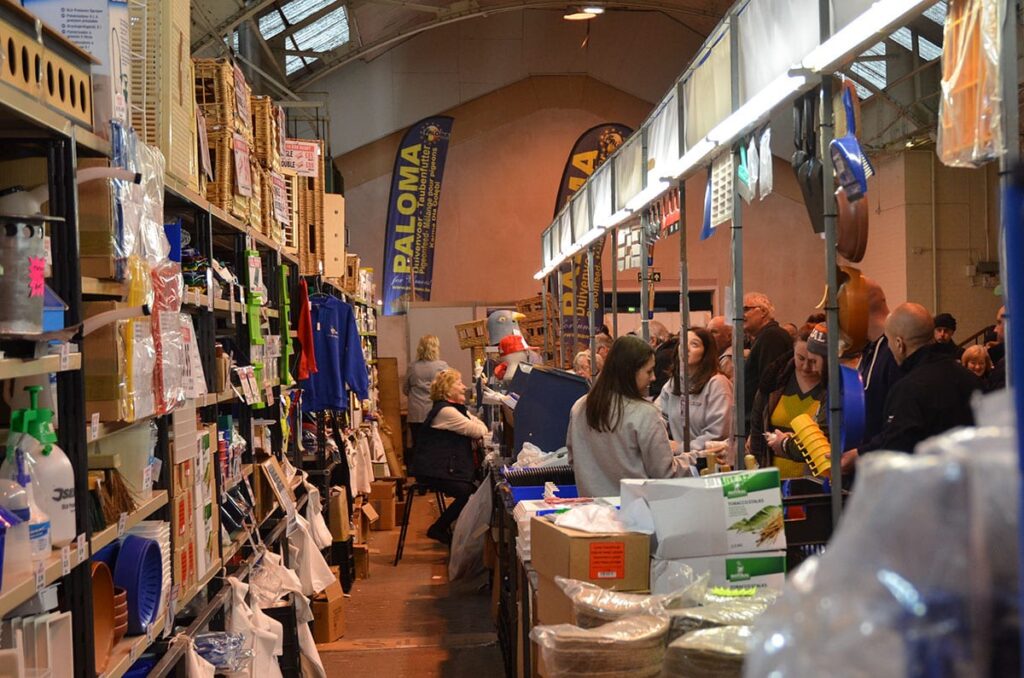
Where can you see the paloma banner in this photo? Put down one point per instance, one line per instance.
(412, 213)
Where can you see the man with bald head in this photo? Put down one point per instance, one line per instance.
(722, 333)
(934, 394)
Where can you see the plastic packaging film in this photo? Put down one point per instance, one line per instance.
(628, 647)
(168, 338)
(934, 588)
(595, 606)
(970, 108)
(708, 653)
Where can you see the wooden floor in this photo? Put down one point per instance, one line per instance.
(409, 620)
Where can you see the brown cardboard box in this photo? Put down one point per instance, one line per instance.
(385, 509)
(329, 614)
(337, 514)
(182, 507)
(553, 606)
(182, 477)
(382, 489)
(361, 554)
(613, 561)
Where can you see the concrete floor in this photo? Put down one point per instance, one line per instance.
(409, 620)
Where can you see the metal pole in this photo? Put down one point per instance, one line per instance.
(835, 404)
(684, 318)
(592, 310)
(615, 281)
(561, 317)
(645, 328)
(545, 286)
(573, 337)
(739, 378)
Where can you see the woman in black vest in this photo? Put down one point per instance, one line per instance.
(444, 449)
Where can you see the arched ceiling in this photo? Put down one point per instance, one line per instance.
(298, 42)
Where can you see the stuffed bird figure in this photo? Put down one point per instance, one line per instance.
(501, 324)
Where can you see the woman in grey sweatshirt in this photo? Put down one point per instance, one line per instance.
(614, 433)
(418, 378)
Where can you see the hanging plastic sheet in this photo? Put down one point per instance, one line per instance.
(663, 138)
(845, 11)
(628, 171)
(773, 36)
(707, 93)
(601, 194)
(564, 232)
(970, 107)
(312, 666)
(580, 215)
(314, 514)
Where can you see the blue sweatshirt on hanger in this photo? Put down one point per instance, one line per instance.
(339, 357)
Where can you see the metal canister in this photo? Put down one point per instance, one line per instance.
(22, 273)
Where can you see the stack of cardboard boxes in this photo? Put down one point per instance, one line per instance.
(195, 521)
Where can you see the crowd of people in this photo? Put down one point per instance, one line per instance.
(661, 408)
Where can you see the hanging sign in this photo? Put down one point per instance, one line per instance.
(412, 213)
(280, 192)
(588, 153)
(301, 156)
(243, 170)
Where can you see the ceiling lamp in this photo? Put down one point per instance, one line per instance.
(593, 9)
(584, 14)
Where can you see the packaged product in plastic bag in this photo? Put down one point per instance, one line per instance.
(740, 612)
(531, 455)
(226, 652)
(263, 636)
(708, 653)
(467, 555)
(195, 665)
(970, 104)
(595, 606)
(629, 647)
(595, 518)
(928, 593)
(168, 337)
(314, 572)
(315, 515)
(271, 581)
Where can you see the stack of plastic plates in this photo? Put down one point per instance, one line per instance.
(140, 572)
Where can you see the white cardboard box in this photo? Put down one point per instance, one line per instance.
(738, 512)
(737, 571)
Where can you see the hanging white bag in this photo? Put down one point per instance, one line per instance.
(264, 636)
(765, 176)
(467, 558)
(309, 657)
(313, 570)
(315, 516)
(195, 666)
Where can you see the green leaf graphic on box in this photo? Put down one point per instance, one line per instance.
(745, 569)
(742, 484)
(756, 521)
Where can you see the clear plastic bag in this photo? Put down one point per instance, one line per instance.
(932, 589)
(595, 606)
(467, 555)
(628, 647)
(970, 104)
(195, 665)
(225, 651)
(732, 613)
(708, 653)
(315, 515)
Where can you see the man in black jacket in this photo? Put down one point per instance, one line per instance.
(935, 392)
(768, 342)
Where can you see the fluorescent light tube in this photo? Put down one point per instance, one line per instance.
(873, 25)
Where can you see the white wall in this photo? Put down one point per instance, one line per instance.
(640, 53)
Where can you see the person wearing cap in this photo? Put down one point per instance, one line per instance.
(794, 385)
(945, 328)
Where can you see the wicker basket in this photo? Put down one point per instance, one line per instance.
(222, 191)
(351, 273)
(290, 233)
(472, 334)
(163, 108)
(266, 136)
(215, 96)
(311, 238)
(259, 179)
(533, 309)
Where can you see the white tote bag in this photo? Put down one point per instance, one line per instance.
(315, 515)
(313, 570)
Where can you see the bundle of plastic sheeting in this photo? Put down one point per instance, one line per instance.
(531, 456)
(595, 606)
(633, 647)
(740, 612)
(930, 592)
(708, 653)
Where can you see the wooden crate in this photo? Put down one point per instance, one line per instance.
(163, 110)
(223, 96)
(533, 309)
(334, 235)
(351, 273)
(472, 334)
(311, 237)
(266, 135)
(222, 191)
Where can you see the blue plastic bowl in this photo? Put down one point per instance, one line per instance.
(141, 668)
(140, 572)
(108, 554)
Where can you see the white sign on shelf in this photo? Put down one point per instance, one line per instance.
(301, 156)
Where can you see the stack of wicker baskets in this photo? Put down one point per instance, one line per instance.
(533, 325)
(267, 134)
(223, 97)
(310, 199)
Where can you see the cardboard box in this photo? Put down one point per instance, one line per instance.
(337, 514)
(742, 570)
(361, 555)
(737, 512)
(329, 614)
(385, 509)
(182, 507)
(182, 477)
(612, 561)
(382, 489)
(552, 606)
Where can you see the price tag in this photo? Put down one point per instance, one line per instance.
(65, 357)
(65, 561)
(81, 547)
(270, 396)
(149, 634)
(94, 426)
(122, 523)
(147, 478)
(169, 623)
(40, 573)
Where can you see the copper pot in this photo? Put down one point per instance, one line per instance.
(852, 240)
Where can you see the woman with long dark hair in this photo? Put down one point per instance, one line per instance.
(614, 433)
(710, 394)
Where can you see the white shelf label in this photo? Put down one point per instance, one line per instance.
(94, 426)
(147, 478)
(122, 524)
(65, 357)
(65, 561)
(40, 574)
(81, 547)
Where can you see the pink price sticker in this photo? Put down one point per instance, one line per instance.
(36, 276)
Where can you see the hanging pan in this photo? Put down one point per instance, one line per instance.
(852, 240)
(810, 175)
(851, 164)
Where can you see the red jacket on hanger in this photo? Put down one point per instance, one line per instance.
(307, 358)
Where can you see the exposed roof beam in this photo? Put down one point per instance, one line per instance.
(429, 9)
(269, 53)
(901, 110)
(348, 53)
(927, 29)
(305, 53)
(230, 24)
(290, 29)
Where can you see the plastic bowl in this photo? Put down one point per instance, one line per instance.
(120, 631)
(140, 572)
(108, 554)
(102, 614)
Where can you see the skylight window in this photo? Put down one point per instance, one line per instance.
(937, 12)
(326, 33)
(322, 35)
(927, 49)
(295, 11)
(873, 72)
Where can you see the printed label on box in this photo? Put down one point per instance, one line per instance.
(243, 170)
(608, 560)
(301, 156)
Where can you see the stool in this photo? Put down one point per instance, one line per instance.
(410, 494)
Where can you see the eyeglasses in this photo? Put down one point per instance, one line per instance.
(748, 309)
